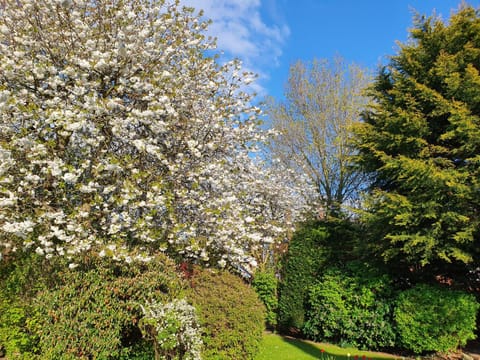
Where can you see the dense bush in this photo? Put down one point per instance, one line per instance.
(95, 312)
(21, 276)
(15, 338)
(231, 315)
(173, 329)
(431, 318)
(265, 285)
(351, 306)
(311, 248)
(301, 266)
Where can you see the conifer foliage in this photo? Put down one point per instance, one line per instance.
(421, 141)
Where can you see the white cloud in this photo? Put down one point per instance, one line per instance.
(242, 31)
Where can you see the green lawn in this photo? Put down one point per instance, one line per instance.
(275, 347)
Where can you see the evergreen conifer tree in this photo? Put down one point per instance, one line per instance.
(421, 142)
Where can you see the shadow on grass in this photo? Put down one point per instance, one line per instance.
(275, 346)
(310, 349)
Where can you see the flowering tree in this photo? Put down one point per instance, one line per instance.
(118, 135)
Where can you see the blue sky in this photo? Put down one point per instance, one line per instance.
(269, 35)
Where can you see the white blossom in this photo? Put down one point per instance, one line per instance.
(173, 323)
(130, 134)
(20, 229)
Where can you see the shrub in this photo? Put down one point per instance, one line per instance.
(351, 307)
(95, 312)
(22, 275)
(15, 339)
(265, 285)
(431, 318)
(230, 313)
(314, 246)
(173, 328)
(302, 263)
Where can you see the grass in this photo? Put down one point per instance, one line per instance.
(284, 348)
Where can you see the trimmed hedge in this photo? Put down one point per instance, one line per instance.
(230, 313)
(431, 318)
(351, 307)
(312, 247)
(265, 285)
(301, 266)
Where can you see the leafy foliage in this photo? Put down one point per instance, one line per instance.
(351, 306)
(265, 284)
(302, 264)
(230, 313)
(21, 278)
(420, 140)
(96, 310)
(313, 246)
(431, 318)
(173, 328)
(15, 338)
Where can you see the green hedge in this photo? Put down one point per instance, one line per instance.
(265, 284)
(230, 313)
(431, 318)
(352, 307)
(301, 267)
(313, 247)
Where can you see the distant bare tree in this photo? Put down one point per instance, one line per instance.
(322, 100)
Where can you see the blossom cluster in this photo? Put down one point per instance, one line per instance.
(173, 327)
(120, 135)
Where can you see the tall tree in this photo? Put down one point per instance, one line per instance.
(118, 135)
(322, 100)
(421, 141)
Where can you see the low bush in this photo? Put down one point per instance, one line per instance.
(351, 307)
(95, 312)
(230, 314)
(173, 329)
(265, 285)
(22, 275)
(431, 318)
(16, 340)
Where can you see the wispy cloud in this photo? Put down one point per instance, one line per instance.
(244, 30)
